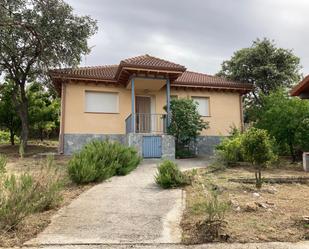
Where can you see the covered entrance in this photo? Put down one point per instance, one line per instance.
(143, 114)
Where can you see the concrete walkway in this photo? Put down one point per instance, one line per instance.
(272, 245)
(127, 209)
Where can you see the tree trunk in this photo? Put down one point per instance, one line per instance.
(41, 134)
(292, 152)
(12, 137)
(258, 179)
(22, 110)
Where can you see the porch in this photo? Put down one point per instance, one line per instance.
(145, 117)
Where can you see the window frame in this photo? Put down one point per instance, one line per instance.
(203, 97)
(101, 112)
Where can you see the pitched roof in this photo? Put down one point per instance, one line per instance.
(302, 86)
(99, 72)
(189, 78)
(151, 62)
(177, 73)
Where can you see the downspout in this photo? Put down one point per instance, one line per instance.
(242, 125)
(168, 101)
(62, 119)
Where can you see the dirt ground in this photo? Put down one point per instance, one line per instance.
(32, 162)
(271, 214)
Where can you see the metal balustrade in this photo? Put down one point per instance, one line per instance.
(146, 123)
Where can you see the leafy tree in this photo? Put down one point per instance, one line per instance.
(8, 115)
(43, 110)
(258, 150)
(264, 65)
(286, 119)
(36, 35)
(186, 123)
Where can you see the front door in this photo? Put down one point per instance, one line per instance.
(143, 114)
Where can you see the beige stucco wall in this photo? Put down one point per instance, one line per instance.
(224, 109)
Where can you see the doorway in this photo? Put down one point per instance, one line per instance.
(143, 114)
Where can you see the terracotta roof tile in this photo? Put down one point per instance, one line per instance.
(99, 72)
(151, 61)
(186, 78)
(189, 78)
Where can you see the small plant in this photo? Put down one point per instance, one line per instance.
(3, 161)
(169, 175)
(100, 160)
(214, 223)
(258, 150)
(25, 194)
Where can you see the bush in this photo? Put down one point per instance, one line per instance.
(5, 137)
(22, 195)
(185, 112)
(214, 223)
(169, 175)
(258, 150)
(100, 160)
(230, 149)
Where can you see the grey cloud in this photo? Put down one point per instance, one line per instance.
(199, 34)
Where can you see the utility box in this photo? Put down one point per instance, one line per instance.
(306, 161)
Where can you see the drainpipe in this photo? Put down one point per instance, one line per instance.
(168, 100)
(133, 105)
(62, 118)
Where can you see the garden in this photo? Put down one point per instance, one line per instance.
(38, 182)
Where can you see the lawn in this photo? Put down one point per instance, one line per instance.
(271, 214)
(32, 162)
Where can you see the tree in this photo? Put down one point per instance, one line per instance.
(258, 150)
(265, 66)
(36, 35)
(186, 123)
(286, 119)
(8, 115)
(43, 110)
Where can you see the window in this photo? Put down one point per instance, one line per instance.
(202, 105)
(104, 102)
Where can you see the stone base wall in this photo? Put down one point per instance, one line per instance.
(205, 145)
(75, 142)
(168, 144)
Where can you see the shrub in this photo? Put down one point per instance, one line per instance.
(100, 160)
(22, 195)
(214, 223)
(230, 149)
(185, 112)
(258, 150)
(169, 175)
(5, 137)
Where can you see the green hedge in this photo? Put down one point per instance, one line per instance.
(100, 160)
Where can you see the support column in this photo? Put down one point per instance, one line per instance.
(133, 105)
(168, 100)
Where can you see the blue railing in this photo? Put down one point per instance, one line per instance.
(146, 123)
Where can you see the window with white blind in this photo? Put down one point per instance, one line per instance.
(202, 105)
(104, 102)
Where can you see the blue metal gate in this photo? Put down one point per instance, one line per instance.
(152, 146)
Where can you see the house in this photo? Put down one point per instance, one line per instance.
(302, 89)
(124, 102)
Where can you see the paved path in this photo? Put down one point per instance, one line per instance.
(127, 209)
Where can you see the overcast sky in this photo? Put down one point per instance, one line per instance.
(198, 34)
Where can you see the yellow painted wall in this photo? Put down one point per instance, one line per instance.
(77, 121)
(224, 109)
